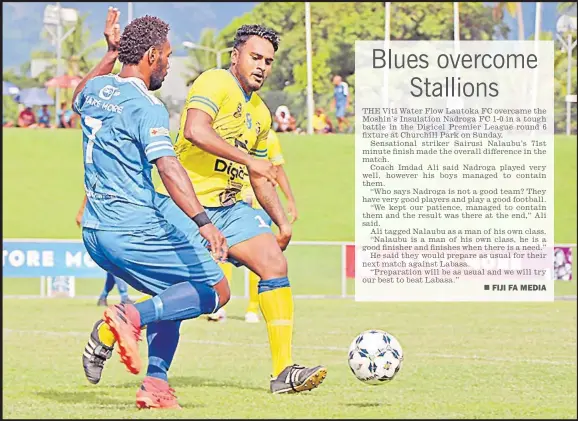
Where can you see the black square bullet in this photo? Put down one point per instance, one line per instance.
(486, 287)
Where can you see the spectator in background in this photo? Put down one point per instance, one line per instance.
(26, 118)
(340, 102)
(7, 123)
(284, 120)
(65, 116)
(43, 117)
(321, 123)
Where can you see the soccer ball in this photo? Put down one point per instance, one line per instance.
(375, 357)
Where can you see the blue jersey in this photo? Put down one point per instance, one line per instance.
(340, 93)
(125, 128)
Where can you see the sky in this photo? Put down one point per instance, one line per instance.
(22, 22)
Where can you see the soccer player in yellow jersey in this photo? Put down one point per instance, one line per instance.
(222, 144)
(275, 156)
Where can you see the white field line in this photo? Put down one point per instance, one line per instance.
(321, 348)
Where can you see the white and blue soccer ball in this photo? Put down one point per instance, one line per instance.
(375, 357)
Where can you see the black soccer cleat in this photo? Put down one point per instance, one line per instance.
(296, 378)
(95, 355)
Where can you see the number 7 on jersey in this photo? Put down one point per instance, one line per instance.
(95, 125)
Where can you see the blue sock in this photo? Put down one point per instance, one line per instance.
(179, 302)
(108, 285)
(162, 338)
(122, 288)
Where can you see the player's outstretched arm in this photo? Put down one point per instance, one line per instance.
(105, 66)
(286, 189)
(267, 196)
(181, 190)
(199, 131)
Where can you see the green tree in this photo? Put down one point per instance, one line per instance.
(565, 6)
(334, 29)
(515, 10)
(9, 106)
(201, 60)
(76, 52)
(561, 83)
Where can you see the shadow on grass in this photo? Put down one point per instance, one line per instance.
(98, 398)
(94, 397)
(195, 381)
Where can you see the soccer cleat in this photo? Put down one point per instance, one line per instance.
(156, 393)
(296, 378)
(124, 323)
(126, 300)
(219, 316)
(251, 317)
(95, 355)
(102, 302)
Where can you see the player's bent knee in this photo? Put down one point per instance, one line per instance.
(274, 265)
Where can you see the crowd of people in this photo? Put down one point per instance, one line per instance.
(284, 122)
(42, 118)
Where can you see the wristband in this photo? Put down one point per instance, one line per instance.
(201, 219)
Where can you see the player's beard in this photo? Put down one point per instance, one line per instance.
(157, 78)
(251, 84)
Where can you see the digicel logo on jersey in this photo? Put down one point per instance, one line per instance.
(232, 169)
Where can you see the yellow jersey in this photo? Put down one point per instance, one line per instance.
(319, 122)
(275, 156)
(241, 120)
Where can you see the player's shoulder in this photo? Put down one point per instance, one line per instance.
(129, 90)
(211, 76)
(135, 89)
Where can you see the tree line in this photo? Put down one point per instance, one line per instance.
(335, 27)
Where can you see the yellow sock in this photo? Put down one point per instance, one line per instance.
(228, 271)
(253, 306)
(277, 308)
(104, 333)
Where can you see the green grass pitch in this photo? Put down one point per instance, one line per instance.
(463, 360)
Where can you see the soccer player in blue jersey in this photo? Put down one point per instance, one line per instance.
(125, 130)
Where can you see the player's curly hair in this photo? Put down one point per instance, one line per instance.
(140, 35)
(247, 31)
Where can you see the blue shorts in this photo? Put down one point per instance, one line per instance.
(340, 110)
(238, 222)
(152, 260)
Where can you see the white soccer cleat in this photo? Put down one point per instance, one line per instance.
(219, 316)
(251, 317)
